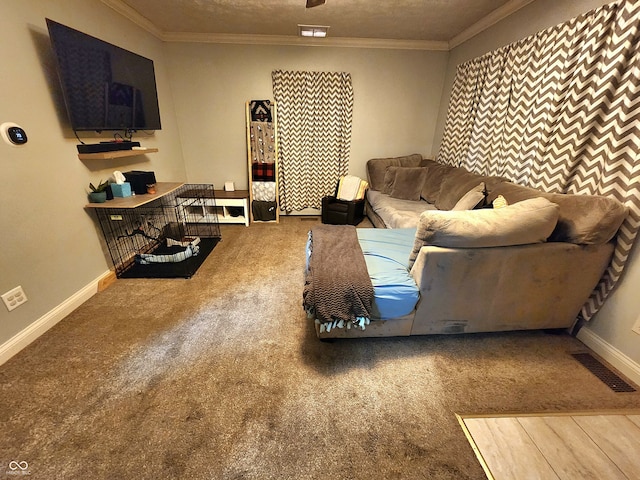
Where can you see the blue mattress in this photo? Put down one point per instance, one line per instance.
(386, 252)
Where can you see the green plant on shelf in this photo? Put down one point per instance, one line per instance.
(102, 186)
(98, 194)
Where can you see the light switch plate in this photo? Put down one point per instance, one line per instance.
(636, 327)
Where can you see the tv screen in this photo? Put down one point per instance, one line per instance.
(105, 87)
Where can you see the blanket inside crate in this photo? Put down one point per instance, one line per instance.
(171, 251)
(338, 290)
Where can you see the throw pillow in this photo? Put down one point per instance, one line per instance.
(376, 167)
(500, 202)
(584, 219)
(389, 179)
(472, 198)
(458, 182)
(408, 183)
(435, 174)
(529, 221)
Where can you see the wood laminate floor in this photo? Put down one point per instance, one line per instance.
(573, 446)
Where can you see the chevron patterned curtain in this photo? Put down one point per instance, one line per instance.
(314, 133)
(558, 111)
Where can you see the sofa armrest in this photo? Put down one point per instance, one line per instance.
(522, 287)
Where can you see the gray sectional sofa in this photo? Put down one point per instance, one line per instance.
(531, 264)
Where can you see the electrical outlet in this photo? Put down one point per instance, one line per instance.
(14, 298)
(636, 327)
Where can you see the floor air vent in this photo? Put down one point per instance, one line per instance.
(613, 381)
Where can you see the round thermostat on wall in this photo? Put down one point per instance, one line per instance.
(13, 134)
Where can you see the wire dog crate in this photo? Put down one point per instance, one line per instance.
(170, 236)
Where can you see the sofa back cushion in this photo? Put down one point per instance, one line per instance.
(377, 167)
(435, 175)
(584, 219)
(457, 182)
(526, 222)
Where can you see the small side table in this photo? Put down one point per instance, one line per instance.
(236, 198)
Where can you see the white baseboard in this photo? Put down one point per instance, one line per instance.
(19, 341)
(610, 354)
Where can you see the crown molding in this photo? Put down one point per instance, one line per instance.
(290, 40)
(494, 17)
(128, 12)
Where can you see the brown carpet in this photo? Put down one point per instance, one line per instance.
(221, 377)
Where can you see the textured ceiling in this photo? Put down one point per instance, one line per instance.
(418, 20)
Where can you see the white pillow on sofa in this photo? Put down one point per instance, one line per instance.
(529, 221)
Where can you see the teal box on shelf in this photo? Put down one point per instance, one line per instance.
(121, 189)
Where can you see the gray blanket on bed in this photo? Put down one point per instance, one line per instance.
(337, 285)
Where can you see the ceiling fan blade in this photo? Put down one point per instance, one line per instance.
(314, 3)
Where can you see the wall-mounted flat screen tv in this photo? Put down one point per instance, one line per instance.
(105, 87)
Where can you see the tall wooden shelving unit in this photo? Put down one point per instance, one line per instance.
(251, 157)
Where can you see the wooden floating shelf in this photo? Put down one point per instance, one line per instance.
(115, 154)
(134, 201)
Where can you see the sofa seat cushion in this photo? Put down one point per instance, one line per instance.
(583, 219)
(386, 253)
(395, 212)
(526, 222)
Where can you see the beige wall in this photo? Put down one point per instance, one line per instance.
(612, 325)
(50, 245)
(396, 100)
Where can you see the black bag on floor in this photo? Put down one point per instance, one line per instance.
(263, 211)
